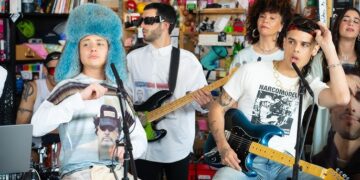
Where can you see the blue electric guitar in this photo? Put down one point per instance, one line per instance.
(249, 140)
(152, 110)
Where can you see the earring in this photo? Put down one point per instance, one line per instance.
(253, 34)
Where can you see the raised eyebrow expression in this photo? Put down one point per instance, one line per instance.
(303, 43)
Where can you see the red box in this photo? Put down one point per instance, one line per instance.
(201, 171)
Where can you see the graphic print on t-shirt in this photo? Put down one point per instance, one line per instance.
(275, 106)
(143, 90)
(106, 129)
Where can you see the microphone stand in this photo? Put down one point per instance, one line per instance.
(296, 166)
(300, 137)
(128, 155)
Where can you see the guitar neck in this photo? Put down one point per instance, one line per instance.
(166, 109)
(286, 159)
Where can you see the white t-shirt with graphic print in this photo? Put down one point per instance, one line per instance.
(263, 101)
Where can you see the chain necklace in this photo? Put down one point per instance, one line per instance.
(278, 82)
(267, 51)
(345, 59)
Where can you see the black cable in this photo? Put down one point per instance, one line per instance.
(307, 126)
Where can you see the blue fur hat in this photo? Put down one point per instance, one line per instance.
(91, 19)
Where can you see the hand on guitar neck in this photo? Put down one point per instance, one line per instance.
(202, 97)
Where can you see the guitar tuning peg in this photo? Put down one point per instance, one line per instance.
(337, 169)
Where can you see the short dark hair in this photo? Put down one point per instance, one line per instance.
(303, 24)
(52, 56)
(165, 11)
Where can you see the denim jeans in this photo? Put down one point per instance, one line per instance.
(265, 169)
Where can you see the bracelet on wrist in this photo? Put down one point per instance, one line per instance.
(333, 65)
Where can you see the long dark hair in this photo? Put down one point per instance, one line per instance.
(283, 7)
(336, 37)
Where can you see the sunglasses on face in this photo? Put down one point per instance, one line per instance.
(109, 128)
(149, 20)
(51, 70)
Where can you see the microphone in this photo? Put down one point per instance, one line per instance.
(119, 82)
(303, 80)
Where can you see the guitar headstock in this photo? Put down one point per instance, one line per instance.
(331, 174)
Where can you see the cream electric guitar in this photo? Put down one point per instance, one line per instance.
(152, 110)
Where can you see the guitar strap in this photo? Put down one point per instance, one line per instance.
(174, 68)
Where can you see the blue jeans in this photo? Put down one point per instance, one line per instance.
(264, 168)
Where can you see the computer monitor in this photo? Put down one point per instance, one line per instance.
(15, 148)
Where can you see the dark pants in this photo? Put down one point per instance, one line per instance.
(148, 170)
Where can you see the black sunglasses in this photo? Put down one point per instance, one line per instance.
(149, 20)
(110, 128)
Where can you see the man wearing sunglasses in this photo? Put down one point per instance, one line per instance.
(149, 72)
(106, 128)
(34, 93)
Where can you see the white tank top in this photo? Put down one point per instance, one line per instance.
(42, 93)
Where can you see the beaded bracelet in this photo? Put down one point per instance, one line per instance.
(333, 65)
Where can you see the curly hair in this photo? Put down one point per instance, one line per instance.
(283, 7)
(336, 37)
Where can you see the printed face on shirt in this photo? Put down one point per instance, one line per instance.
(346, 119)
(299, 47)
(350, 25)
(268, 24)
(50, 71)
(93, 53)
(107, 135)
(153, 31)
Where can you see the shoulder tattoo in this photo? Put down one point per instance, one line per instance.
(28, 91)
(225, 100)
(22, 110)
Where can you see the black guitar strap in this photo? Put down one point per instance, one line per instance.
(174, 68)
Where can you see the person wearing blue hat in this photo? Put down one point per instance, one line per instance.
(86, 84)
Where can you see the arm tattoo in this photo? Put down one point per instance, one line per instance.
(225, 100)
(22, 110)
(28, 91)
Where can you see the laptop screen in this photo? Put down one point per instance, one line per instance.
(15, 148)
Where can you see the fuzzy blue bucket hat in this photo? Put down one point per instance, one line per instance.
(91, 19)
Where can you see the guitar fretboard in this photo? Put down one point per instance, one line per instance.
(166, 109)
(287, 160)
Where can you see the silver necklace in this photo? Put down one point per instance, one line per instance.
(278, 82)
(266, 51)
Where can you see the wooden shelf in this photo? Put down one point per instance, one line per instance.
(222, 11)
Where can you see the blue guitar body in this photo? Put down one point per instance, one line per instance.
(241, 132)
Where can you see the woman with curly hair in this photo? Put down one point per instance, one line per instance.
(346, 38)
(265, 33)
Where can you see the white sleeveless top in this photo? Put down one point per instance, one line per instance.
(42, 93)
